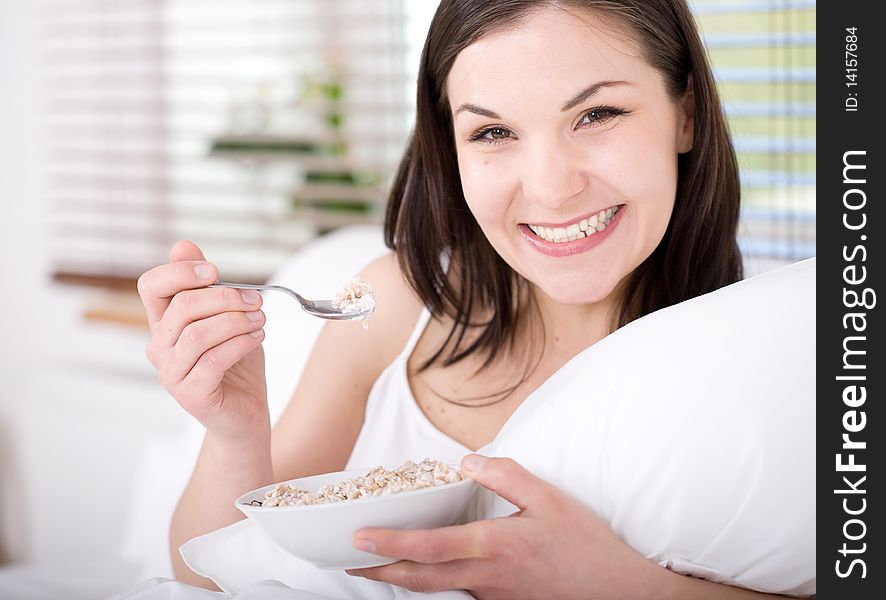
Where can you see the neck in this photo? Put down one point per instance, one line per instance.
(570, 328)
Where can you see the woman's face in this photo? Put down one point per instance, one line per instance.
(567, 144)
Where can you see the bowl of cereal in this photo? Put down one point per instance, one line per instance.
(315, 518)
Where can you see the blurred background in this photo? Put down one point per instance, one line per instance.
(251, 127)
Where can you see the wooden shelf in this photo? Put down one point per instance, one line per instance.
(118, 308)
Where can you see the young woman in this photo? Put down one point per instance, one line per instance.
(569, 171)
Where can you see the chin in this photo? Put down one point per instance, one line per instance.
(576, 295)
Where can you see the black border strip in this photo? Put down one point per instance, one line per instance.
(850, 264)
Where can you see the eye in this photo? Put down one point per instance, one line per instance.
(599, 115)
(492, 135)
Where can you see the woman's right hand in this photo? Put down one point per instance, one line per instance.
(206, 344)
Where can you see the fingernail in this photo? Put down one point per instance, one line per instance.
(256, 333)
(365, 545)
(203, 271)
(474, 462)
(249, 296)
(254, 315)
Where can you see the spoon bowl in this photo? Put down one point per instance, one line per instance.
(318, 308)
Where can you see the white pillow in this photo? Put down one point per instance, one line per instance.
(691, 432)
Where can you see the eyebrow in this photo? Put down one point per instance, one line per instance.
(572, 103)
(590, 91)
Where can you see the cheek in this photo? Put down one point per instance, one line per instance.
(487, 189)
(655, 204)
(644, 167)
(660, 192)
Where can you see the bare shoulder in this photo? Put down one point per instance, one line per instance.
(397, 306)
(319, 427)
(370, 346)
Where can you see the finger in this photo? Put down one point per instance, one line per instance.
(207, 373)
(203, 336)
(185, 250)
(425, 545)
(157, 286)
(416, 577)
(190, 306)
(510, 480)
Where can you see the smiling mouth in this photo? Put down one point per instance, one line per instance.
(585, 228)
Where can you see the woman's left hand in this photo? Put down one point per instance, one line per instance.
(553, 547)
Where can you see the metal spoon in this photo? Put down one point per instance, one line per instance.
(318, 308)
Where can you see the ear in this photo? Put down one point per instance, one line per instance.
(686, 118)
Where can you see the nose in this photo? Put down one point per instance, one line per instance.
(552, 174)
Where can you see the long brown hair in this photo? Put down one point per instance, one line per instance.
(428, 217)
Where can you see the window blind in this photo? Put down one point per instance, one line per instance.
(763, 54)
(103, 130)
(249, 126)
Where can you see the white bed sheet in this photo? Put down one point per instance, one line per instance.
(68, 580)
(167, 589)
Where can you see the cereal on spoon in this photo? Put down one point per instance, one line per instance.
(355, 297)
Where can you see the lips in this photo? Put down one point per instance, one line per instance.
(584, 227)
(575, 237)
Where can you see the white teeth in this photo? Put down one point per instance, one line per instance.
(584, 228)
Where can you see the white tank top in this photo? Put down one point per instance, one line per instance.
(394, 427)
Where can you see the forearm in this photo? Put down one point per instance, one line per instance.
(222, 473)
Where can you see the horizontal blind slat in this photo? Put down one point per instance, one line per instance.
(758, 40)
(719, 7)
(764, 75)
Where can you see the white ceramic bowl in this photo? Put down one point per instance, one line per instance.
(321, 534)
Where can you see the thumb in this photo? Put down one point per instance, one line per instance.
(508, 479)
(185, 250)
